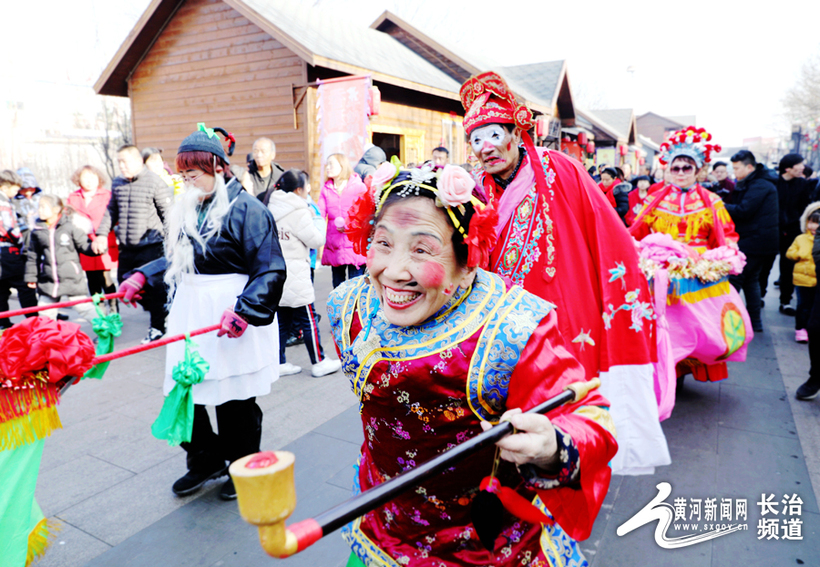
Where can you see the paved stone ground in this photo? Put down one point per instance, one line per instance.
(108, 480)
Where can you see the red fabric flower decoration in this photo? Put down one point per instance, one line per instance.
(41, 343)
(360, 222)
(481, 237)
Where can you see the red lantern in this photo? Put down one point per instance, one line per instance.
(582, 138)
(375, 101)
(591, 147)
(541, 126)
(623, 150)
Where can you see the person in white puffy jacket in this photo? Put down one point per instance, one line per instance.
(297, 235)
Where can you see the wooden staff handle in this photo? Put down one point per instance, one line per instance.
(267, 495)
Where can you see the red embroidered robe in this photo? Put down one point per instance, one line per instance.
(567, 245)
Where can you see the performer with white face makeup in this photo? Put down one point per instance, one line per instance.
(559, 238)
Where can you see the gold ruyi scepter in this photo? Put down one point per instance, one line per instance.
(267, 495)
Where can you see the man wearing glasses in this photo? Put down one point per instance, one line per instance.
(139, 204)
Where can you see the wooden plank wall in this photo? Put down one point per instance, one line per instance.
(401, 116)
(212, 65)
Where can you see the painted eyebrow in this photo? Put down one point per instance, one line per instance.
(380, 225)
(427, 234)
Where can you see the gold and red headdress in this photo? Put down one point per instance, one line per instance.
(488, 100)
(689, 142)
(453, 190)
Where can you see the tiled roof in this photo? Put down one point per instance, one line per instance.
(620, 119)
(537, 82)
(325, 37)
(326, 33)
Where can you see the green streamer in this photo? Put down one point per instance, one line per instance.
(210, 131)
(107, 327)
(175, 421)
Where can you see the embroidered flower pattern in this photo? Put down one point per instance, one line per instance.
(639, 311)
(568, 474)
(521, 247)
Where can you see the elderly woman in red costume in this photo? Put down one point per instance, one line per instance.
(437, 349)
(560, 239)
(682, 208)
(691, 215)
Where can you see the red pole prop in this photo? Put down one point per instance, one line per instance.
(154, 344)
(140, 348)
(38, 308)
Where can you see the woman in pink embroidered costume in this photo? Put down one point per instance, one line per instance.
(435, 348)
(698, 219)
(561, 240)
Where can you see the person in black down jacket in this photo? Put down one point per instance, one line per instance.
(793, 192)
(222, 264)
(53, 265)
(754, 212)
(811, 387)
(12, 253)
(616, 189)
(139, 205)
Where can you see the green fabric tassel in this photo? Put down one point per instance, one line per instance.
(106, 327)
(201, 127)
(176, 419)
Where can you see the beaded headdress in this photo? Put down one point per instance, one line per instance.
(689, 142)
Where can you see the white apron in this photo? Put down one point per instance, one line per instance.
(239, 368)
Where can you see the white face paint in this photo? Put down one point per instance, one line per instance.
(493, 134)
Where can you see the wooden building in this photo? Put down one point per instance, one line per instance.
(252, 66)
(656, 127)
(616, 136)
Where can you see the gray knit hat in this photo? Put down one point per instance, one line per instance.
(204, 140)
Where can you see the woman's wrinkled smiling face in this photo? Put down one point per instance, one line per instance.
(412, 262)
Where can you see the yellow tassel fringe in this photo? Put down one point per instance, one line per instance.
(40, 538)
(37, 424)
(668, 223)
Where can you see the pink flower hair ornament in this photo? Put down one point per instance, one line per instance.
(453, 190)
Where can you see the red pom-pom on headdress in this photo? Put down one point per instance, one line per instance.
(360, 222)
(688, 142)
(482, 237)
